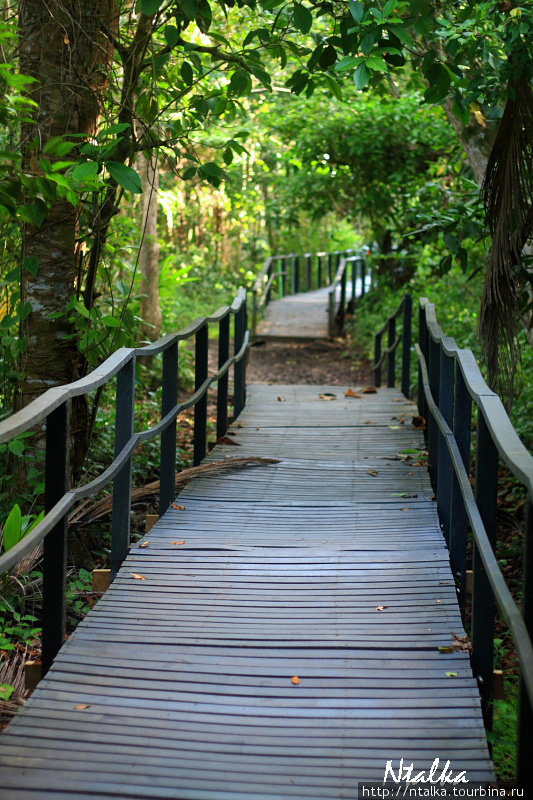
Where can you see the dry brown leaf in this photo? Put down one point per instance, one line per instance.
(438, 601)
(327, 396)
(369, 390)
(373, 472)
(351, 393)
(179, 508)
(395, 399)
(419, 423)
(227, 440)
(144, 544)
(295, 680)
(405, 509)
(381, 608)
(182, 542)
(82, 706)
(138, 577)
(281, 399)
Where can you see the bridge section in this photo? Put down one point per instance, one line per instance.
(283, 631)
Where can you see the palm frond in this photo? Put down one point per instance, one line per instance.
(508, 198)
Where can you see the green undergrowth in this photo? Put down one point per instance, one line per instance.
(504, 733)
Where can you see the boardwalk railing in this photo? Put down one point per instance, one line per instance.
(53, 408)
(405, 313)
(449, 379)
(337, 306)
(290, 274)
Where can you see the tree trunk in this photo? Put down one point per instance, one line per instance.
(63, 48)
(476, 138)
(149, 254)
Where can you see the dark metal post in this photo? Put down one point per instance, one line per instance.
(296, 273)
(377, 358)
(120, 519)
(269, 275)
(319, 270)
(330, 267)
(283, 263)
(524, 772)
(354, 280)
(363, 275)
(462, 425)
(167, 475)
(391, 358)
(309, 271)
(422, 408)
(342, 309)
(222, 389)
(200, 409)
(57, 478)
(445, 469)
(239, 374)
(406, 343)
(482, 594)
(433, 349)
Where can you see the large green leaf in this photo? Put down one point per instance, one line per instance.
(150, 7)
(13, 528)
(356, 10)
(172, 35)
(361, 76)
(125, 176)
(303, 19)
(84, 171)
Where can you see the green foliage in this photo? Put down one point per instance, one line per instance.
(15, 625)
(504, 734)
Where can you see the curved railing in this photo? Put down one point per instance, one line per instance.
(291, 274)
(405, 313)
(53, 408)
(449, 381)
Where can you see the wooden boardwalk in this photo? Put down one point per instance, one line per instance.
(297, 317)
(329, 567)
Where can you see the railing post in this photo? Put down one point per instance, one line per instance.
(377, 358)
(524, 773)
(222, 388)
(319, 270)
(283, 262)
(433, 362)
(239, 374)
(422, 327)
(200, 409)
(482, 594)
(342, 309)
(268, 276)
(120, 520)
(254, 312)
(391, 358)
(55, 544)
(167, 474)
(462, 426)
(406, 344)
(354, 280)
(296, 273)
(363, 275)
(445, 470)
(329, 262)
(309, 271)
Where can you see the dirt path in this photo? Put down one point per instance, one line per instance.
(318, 362)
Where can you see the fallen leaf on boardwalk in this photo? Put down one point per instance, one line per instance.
(351, 393)
(175, 505)
(446, 649)
(227, 440)
(403, 494)
(439, 601)
(82, 706)
(295, 680)
(452, 674)
(258, 429)
(395, 427)
(381, 608)
(144, 544)
(327, 396)
(461, 644)
(369, 390)
(405, 509)
(182, 542)
(373, 472)
(369, 422)
(395, 399)
(281, 399)
(419, 423)
(138, 577)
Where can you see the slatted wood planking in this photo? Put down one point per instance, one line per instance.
(183, 680)
(296, 317)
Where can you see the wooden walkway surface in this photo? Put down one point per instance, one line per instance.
(298, 317)
(179, 683)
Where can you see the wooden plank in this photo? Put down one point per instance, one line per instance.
(180, 685)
